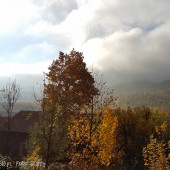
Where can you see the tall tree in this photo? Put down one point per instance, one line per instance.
(70, 83)
(10, 94)
(69, 88)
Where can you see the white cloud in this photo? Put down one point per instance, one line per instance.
(126, 39)
(7, 69)
(14, 14)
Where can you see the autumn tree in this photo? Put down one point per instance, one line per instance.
(157, 152)
(70, 83)
(107, 138)
(101, 149)
(85, 125)
(135, 127)
(133, 132)
(69, 87)
(105, 98)
(10, 94)
(46, 134)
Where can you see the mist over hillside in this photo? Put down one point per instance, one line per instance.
(134, 93)
(138, 86)
(144, 93)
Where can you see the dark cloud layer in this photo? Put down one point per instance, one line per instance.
(135, 55)
(133, 40)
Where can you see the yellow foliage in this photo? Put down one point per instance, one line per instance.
(35, 155)
(107, 137)
(97, 149)
(161, 129)
(164, 127)
(79, 128)
(154, 153)
(34, 159)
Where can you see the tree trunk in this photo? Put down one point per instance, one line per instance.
(8, 136)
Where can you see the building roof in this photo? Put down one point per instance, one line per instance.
(20, 122)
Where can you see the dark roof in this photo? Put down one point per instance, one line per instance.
(20, 122)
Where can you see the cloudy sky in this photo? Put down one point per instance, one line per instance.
(125, 39)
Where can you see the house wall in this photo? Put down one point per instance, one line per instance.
(16, 144)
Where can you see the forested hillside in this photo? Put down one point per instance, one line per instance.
(155, 95)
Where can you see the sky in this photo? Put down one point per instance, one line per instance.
(126, 40)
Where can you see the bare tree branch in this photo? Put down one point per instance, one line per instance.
(9, 96)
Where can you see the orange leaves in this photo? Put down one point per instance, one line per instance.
(70, 84)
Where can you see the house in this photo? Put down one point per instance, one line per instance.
(20, 124)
